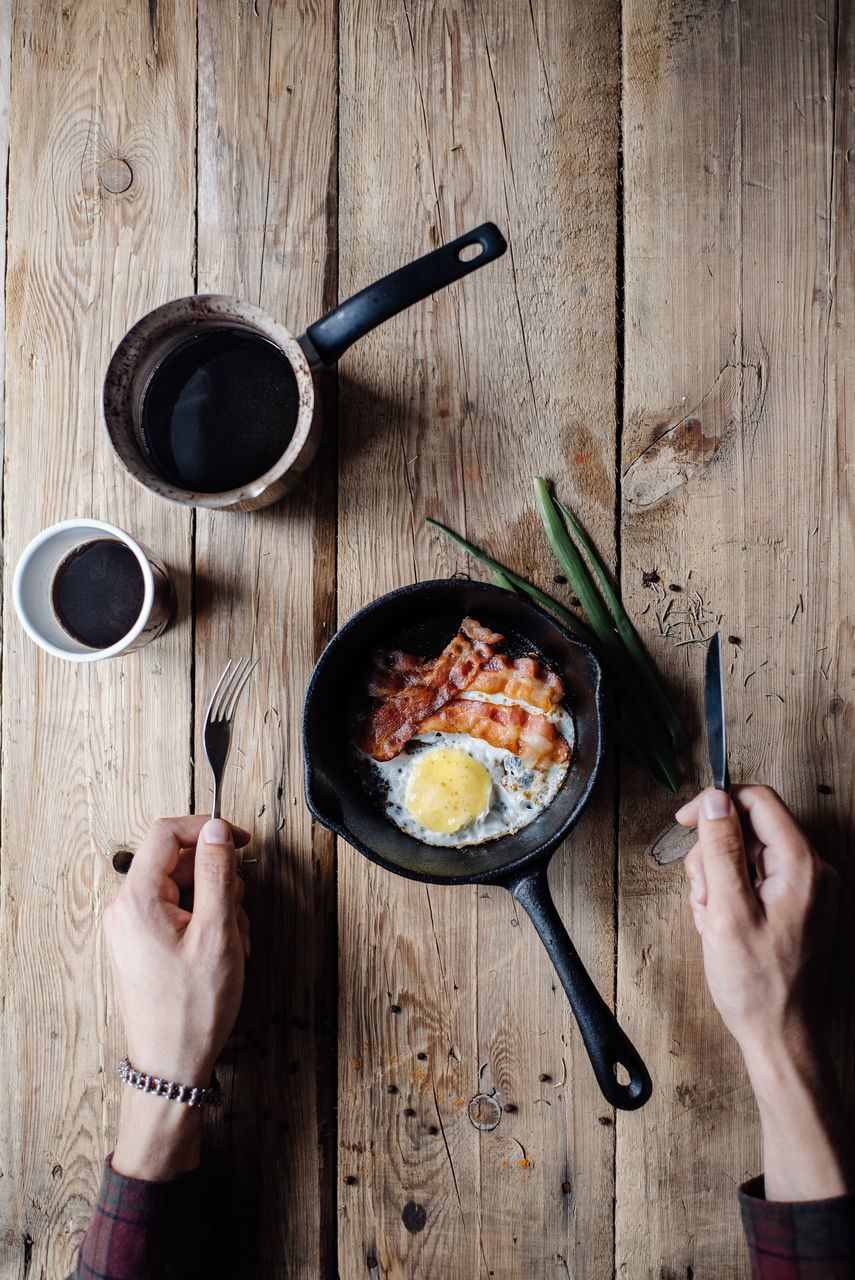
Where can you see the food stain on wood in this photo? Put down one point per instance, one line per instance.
(669, 462)
(687, 1094)
(689, 443)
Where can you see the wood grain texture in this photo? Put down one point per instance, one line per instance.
(832, 825)
(5, 102)
(736, 124)
(266, 586)
(469, 112)
(407, 1094)
(90, 754)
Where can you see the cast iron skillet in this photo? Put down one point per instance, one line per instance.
(422, 619)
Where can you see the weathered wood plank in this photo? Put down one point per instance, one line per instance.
(266, 585)
(831, 824)
(90, 755)
(465, 113)
(5, 96)
(733, 182)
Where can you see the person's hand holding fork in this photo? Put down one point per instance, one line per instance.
(178, 937)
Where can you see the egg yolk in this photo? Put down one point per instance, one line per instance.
(447, 789)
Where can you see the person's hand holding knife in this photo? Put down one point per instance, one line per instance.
(763, 902)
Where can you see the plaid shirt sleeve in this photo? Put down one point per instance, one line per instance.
(141, 1230)
(803, 1240)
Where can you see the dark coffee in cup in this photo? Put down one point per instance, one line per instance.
(219, 410)
(86, 590)
(98, 592)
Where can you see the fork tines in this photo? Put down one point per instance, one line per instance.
(229, 688)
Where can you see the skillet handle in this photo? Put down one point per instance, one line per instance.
(328, 338)
(607, 1045)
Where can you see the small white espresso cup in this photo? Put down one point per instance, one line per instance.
(36, 591)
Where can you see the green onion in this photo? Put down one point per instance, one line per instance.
(611, 635)
(621, 646)
(624, 667)
(569, 619)
(499, 580)
(628, 635)
(576, 573)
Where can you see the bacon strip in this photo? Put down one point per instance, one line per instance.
(435, 682)
(522, 679)
(393, 671)
(531, 737)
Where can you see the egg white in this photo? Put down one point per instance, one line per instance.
(517, 796)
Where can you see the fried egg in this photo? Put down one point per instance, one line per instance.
(452, 789)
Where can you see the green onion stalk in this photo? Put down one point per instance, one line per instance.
(611, 635)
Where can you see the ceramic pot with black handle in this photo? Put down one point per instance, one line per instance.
(210, 402)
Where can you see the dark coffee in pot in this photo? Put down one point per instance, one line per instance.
(98, 592)
(219, 410)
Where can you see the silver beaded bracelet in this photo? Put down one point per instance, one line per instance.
(193, 1095)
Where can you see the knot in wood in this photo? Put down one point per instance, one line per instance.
(122, 860)
(414, 1217)
(115, 175)
(484, 1111)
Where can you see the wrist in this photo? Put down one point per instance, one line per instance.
(184, 1062)
(158, 1138)
(776, 1062)
(805, 1145)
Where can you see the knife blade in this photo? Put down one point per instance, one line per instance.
(714, 701)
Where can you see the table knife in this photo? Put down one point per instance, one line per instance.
(714, 700)
(676, 841)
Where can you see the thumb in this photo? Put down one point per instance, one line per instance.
(214, 877)
(722, 850)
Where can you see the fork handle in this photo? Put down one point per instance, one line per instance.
(215, 813)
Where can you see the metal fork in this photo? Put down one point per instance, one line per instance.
(217, 733)
(216, 737)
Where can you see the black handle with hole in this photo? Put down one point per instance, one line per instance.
(608, 1047)
(330, 336)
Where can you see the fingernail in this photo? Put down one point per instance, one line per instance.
(717, 804)
(217, 832)
(698, 917)
(679, 815)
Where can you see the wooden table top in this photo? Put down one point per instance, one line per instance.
(668, 339)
